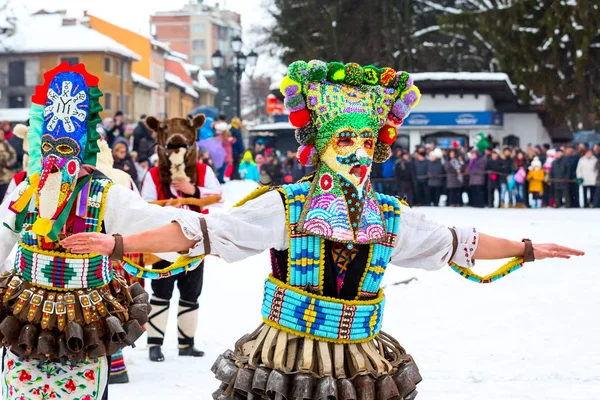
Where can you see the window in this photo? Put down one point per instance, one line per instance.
(107, 101)
(118, 67)
(107, 65)
(198, 44)
(16, 73)
(70, 60)
(198, 28)
(16, 101)
(199, 60)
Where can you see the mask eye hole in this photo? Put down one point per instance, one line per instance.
(64, 149)
(47, 147)
(368, 144)
(345, 142)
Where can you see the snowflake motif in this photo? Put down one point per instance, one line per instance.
(64, 106)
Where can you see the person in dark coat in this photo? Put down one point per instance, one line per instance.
(435, 176)
(477, 179)
(140, 132)
(273, 169)
(454, 168)
(117, 130)
(495, 168)
(422, 190)
(560, 174)
(506, 196)
(405, 177)
(572, 157)
(238, 147)
(122, 159)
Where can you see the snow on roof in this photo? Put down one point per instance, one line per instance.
(178, 55)
(202, 84)
(272, 127)
(175, 80)
(209, 73)
(159, 44)
(142, 80)
(45, 33)
(191, 68)
(14, 114)
(460, 76)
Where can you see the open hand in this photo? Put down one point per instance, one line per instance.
(84, 243)
(551, 250)
(184, 186)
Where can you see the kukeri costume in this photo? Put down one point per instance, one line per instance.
(331, 239)
(177, 159)
(62, 314)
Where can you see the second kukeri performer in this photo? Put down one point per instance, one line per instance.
(331, 239)
(178, 174)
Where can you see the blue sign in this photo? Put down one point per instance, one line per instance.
(455, 119)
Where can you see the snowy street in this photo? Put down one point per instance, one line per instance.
(531, 335)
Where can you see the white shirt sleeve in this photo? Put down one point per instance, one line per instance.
(127, 213)
(211, 184)
(11, 187)
(149, 191)
(244, 231)
(425, 244)
(8, 238)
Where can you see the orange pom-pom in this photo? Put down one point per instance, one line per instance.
(300, 118)
(387, 77)
(387, 134)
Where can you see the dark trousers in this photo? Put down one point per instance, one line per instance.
(490, 195)
(589, 194)
(455, 197)
(574, 192)
(422, 193)
(405, 189)
(476, 198)
(189, 284)
(235, 174)
(561, 193)
(434, 195)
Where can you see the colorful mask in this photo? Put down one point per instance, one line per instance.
(346, 118)
(62, 138)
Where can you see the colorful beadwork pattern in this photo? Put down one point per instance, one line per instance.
(329, 319)
(182, 264)
(62, 270)
(511, 266)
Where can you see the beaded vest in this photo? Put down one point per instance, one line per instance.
(46, 264)
(298, 305)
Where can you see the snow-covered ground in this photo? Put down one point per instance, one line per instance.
(532, 335)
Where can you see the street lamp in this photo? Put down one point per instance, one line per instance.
(240, 62)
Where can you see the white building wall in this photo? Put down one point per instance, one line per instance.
(455, 103)
(528, 127)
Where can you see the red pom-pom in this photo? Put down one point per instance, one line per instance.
(394, 121)
(387, 134)
(299, 119)
(306, 155)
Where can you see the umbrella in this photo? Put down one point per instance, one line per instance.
(587, 137)
(215, 151)
(209, 112)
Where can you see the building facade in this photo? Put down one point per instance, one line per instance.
(198, 30)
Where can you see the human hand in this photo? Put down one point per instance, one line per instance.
(184, 186)
(551, 250)
(95, 243)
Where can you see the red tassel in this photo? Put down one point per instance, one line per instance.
(299, 119)
(387, 134)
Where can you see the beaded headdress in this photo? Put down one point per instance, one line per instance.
(62, 138)
(345, 117)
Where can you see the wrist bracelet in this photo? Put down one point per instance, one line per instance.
(528, 255)
(117, 253)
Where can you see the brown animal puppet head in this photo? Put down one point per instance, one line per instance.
(177, 150)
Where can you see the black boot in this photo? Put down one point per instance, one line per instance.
(190, 351)
(156, 354)
(118, 378)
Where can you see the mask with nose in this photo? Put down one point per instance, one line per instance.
(62, 138)
(346, 118)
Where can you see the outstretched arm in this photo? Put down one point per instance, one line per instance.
(242, 232)
(493, 248)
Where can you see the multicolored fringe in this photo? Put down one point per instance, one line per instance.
(501, 272)
(381, 253)
(323, 318)
(306, 252)
(62, 270)
(182, 264)
(117, 363)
